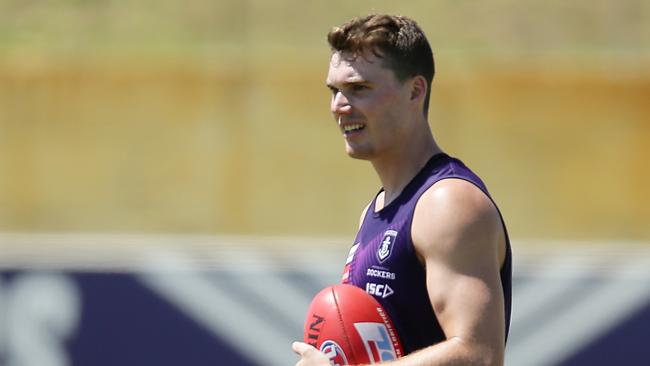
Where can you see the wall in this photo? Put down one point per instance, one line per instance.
(212, 117)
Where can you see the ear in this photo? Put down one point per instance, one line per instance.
(418, 88)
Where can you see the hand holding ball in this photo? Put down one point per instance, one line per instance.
(350, 327)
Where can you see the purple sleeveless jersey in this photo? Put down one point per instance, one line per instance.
(384, 263)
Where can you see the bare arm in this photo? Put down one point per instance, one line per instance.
(458, 234)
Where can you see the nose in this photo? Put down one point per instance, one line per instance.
(340, 103)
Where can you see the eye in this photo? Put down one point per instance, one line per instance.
(333, 90)
(358, 87)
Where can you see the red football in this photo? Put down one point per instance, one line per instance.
(351, 327)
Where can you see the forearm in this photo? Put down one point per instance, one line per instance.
(453, 352)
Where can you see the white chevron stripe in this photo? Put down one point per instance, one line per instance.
(622, 292)
(264, 281)
(540, 290)
(248, 332)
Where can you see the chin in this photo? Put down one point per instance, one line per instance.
(358, 157)
(358, 154)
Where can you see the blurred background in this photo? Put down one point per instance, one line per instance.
(131, 130)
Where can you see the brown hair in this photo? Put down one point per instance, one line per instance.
(397, 40)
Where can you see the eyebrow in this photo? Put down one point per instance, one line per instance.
(347, 83)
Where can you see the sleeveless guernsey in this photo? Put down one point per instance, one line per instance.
(384, 263)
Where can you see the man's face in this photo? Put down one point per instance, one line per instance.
(369, 104)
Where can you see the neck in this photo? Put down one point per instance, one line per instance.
(397, 169)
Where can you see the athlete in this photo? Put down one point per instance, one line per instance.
(432, 247)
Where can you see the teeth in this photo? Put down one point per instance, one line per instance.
(352, 127)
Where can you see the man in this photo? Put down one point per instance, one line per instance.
(432, 240)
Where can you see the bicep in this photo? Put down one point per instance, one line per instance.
(467, 300)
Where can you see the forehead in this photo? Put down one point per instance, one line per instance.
(345, 67)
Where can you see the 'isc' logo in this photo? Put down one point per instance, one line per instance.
(379, 290)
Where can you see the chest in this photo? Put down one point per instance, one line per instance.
(382, 260)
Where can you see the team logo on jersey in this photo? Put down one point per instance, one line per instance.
(386, 245)
(334, 352)
(377, 342)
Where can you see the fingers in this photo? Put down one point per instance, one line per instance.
(301, 348)
(309, 356)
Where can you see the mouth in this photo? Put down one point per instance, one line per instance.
(350, 127)
(353, 127)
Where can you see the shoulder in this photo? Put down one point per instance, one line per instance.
(455, 217)
(363, 214)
